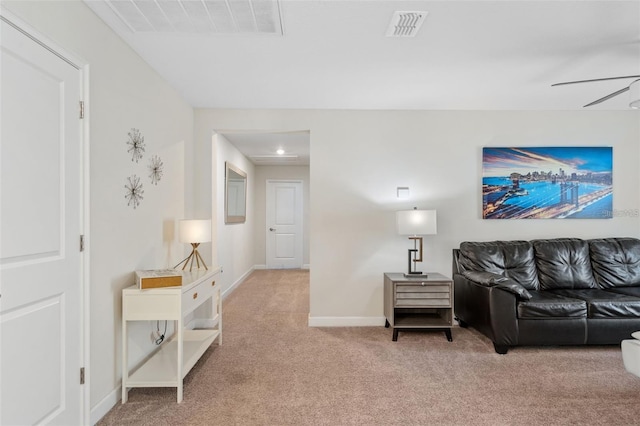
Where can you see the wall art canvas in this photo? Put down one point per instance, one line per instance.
(547, 183)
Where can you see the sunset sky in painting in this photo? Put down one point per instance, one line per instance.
(581, 160)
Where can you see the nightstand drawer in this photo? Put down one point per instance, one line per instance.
(423, 295)
(419, 288)
(424, 303)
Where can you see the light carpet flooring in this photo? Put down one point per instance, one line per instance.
(272, 369)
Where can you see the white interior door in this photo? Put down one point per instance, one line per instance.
(284, 224)
(40, 226)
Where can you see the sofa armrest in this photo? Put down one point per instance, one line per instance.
(513, 287)
(488, 308)
(485, 278)
(489, 279)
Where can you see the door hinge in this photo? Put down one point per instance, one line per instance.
(81, 109)
(81, 242)
(82, 375)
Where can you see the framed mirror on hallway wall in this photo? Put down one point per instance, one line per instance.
(235, 205)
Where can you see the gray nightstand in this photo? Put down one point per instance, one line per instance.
(418, 303)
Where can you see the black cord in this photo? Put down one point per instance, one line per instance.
(160, 339)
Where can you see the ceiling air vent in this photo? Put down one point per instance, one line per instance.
(405, 24)
(200, 16)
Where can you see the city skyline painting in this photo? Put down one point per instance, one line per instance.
(547, 183)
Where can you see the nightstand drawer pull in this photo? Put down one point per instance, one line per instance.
(213, 283)
(195, 295)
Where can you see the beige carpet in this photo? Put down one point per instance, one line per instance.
(272, 369)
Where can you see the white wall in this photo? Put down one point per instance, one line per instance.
(358, 158)
(264, 173)
(233, 250)
(125, 93)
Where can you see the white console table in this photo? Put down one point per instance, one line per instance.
(168, 366)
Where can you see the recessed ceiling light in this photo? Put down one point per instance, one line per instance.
(277, 158)
(280, 151)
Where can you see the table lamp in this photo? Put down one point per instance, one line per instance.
(416, 223)
(194, 232)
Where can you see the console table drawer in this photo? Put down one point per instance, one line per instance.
(193, 298)
(151, 305)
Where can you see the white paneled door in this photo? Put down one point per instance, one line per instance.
(284, 224)
(40, 225)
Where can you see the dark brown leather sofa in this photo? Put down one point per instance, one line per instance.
(563, 291)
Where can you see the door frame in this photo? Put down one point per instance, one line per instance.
(301, 237)
(82, 66)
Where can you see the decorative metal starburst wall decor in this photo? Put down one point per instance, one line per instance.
(134, 191)
(136, 145)
(155, 169)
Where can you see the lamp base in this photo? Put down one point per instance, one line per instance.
(195, 255)
(415, 275)
(412, 265)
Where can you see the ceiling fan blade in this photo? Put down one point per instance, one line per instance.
(596, 79)
(609, 96)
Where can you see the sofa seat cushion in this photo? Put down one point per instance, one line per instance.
(616, 261)
(605, 304)
(544, 304)
(629, 291)
(563, 263)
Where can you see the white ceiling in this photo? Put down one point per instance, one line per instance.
(468, 55)
(262, 148)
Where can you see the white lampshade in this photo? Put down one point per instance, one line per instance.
(416, 222)
(634, 94)
(195, 231)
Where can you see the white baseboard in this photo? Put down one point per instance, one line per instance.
(239, 281)
(306, 266)
(107, 403)
(346, 321)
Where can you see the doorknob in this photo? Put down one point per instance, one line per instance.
(272, 229)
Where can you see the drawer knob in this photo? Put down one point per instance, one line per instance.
(195, 295)
(422, 284)
(213, 283)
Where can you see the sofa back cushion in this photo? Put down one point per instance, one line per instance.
(616, 262)
(513, 259)
(563, 263)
